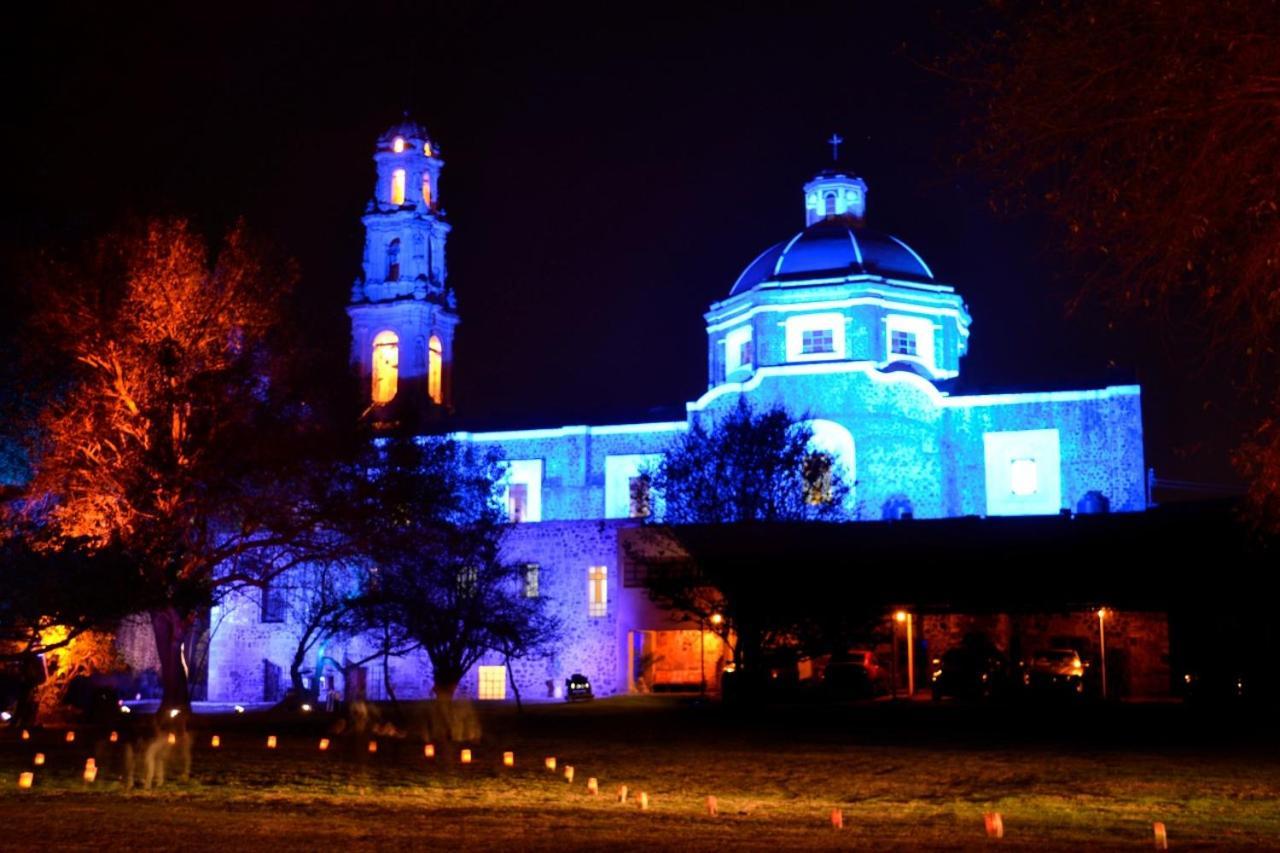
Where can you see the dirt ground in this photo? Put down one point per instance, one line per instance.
(904, 777)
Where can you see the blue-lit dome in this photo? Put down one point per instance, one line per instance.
(831, 248)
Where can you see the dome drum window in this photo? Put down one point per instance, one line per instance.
(815, 337)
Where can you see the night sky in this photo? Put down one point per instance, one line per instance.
(606, 179)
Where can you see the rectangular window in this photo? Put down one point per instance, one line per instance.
(274, 603)
(530, 580)
(597, 591)
(1023, 477)
(522, 489)
(815, 341)
(739, 349)
(518, 502)
(493, 683)
(622, 475)
(816, 337)
(1023, 472)
(902, 343)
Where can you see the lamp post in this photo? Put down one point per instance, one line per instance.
(717, 620)
(1102, 646)
(905, 617)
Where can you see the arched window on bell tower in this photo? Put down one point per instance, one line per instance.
(426, 188)
(397, 187)
(435, 370)
(386, 366)
(393, 260)
(829, 204)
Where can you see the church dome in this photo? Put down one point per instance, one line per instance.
(832, 248)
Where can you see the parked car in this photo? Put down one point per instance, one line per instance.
(856, 673)
(577, 687)
(1217, 685)
(966, 672)
(1055, 670)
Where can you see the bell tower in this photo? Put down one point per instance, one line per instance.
(403, 312)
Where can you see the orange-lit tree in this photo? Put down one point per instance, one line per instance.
(172, 440)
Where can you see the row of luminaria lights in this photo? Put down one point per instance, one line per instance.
(993, 821)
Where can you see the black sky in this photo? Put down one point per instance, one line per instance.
(607, 177)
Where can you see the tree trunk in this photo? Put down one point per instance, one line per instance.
(515, 689)
(295, 668)
(170, 629)
(386, 685)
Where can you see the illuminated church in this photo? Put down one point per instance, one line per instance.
(838, 320)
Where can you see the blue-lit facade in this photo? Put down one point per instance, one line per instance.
(843, 324)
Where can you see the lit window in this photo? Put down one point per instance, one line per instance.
(597, 591)
(435, 370)
(829, 204)
(902, 343)
(393, 260)
(638, 486)
(815, 341)
(1024, 479)
(493, 683)
(398, 144)
(522, 490)
(739, 349)
(426, 189)
(386, 366)
(530, 580)
(517, 502)
(622, 476)
(815, 337)
(397, 187)
(426, 148)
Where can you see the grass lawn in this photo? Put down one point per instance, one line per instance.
(905, 777)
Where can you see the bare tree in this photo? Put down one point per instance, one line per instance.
(1148, 131)
(430, 526)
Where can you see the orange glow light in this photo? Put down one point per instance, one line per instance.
(26, 779)
(271, 741)
(508, 759)
(215, 741)
(398, 144)
(324, 744)
(900, 616)
(429, 750)
(466, 756)
(397, 187)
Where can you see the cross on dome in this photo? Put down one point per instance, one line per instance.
(835, 142)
